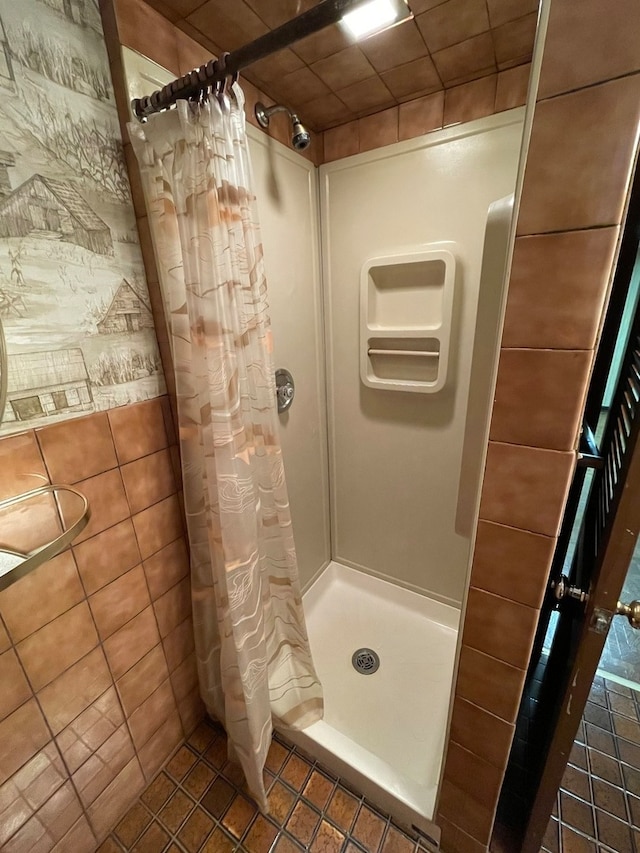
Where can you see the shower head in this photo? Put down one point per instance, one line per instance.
(300, 136)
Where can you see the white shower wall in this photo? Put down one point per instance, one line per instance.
(395, 457)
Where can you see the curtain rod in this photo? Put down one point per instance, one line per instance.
(192, 84)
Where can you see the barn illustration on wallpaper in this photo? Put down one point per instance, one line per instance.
(73, 301)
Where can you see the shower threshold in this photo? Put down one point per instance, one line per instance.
(383, 731)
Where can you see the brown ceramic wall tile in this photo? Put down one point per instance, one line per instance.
(589, 30)
(341, 141)
(77, 449)
(477, 730)
(160, 745)
(116, 798)
(539, 397)
(513, 41)
(21, 464)
(131, 642)
(191, 54)
(508, 561)
(526, 487)
(75, 690)
(138, 430)
(15, 689)
(366, 96)
(452, 22)
(557, 289)
(378, 129)
(90, 730)
(191, 710)
(103, 766)
(135, 21)
(412, 79)
(473, 775)
(421, 115)
(383, 49)
(151, 714)
(158, 525)
(173, 607)
(80, 838)
(184, 679)
(466, 61)
(32, 523)
(576, 176)
(470, 101)
(148, 480)
(58, 645)
(5, 642)
(107, 502)
(457, 806)
(108, 555)
(25, 608)
(489, 683)
(502, 11)
(341, 69)
(166, 567)
(142, 679)
(22, 734)
(499, 627)
(512, 87)
(179, 643)
(118, 602)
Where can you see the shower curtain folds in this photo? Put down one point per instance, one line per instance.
(254, 660)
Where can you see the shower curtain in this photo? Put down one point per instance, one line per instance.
(254, 661)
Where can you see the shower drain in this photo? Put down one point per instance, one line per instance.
(365, 661)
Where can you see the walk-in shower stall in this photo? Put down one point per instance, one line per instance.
(377, 265)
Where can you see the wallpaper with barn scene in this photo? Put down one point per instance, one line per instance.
(73, 297)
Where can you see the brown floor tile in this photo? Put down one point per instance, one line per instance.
(318, 789)
(342, 809)
(201, 737)
(261, 836)
(295, 772)
(303, 822)
(572, 842)
(195, 830)
(234, 773)
(626, 728)
(368, 828)
(330, 840)
(615, 833)
(599, 739)
(154, 840)
(217, 753)
(551, 842)
(198, 780)
(578, 756)
(609, 798)
(181, 763)
(276, 756)
(598, 716)
(623, 705)
(175, 811)
(217, 798)
(629, 753)
(631, 778)
(287, 845)
(158, 792)
(280, 802)
(576, 782)
(604, 767)
(576, 813)
(219, 842)
(239, 815)
(133, 824)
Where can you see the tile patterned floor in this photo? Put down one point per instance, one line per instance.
(197, 804)
(598, 805)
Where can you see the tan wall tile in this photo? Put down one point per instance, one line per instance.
(90, 730)
(412, 79)
(191, 710)
(383, 49)
(466, 61)
(378, 129)
(469, 101)
(173, 607)
(591, 29)
(103, 766)
(421, 115)
(41, 596)
(526, 487)
(576, 176)
(143, 29)
(151, 714)
(539, 397)
(190, 53)
(58, 645)
(513, 41)
(80, 838)
(158, 525)
(77, 449)
(343, 68)
(490, 683)
(138, 430)
(160, 745)
(367, 96)
(148, 480)
(166, 567)
(184, 678)
(108, 555)
(501, 11)
(131, 642)
(117, 797)
(459, 808)
(512, 562)
(32, 523)
(472, 775)
(179, 643)
(5, 642)
(557, 289)
(341, 141)
(118, 602)
(450, 23)
(75, 690)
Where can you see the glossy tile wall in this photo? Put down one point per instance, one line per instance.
(97, 667)
(582, 151)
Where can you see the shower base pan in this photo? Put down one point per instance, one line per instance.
(384, 728)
